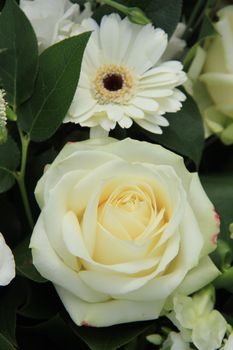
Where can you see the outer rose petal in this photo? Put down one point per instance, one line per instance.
(199, 276)
(204, 213)
(53, 268)
(108, 313)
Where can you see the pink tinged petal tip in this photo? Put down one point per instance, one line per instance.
(217, 217)
(214, 238)
(86, 324)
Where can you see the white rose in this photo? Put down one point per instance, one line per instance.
(123, 224)
(211, 73)
(53, 20)
(7, 263)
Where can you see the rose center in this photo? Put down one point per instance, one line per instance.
(113, 82)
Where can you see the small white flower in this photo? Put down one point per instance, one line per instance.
(3, 104)
(197, 321)
(175, 341)
(123, 79)
(53, 20)
(229, 343)
(7, 263)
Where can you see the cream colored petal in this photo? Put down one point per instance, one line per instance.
(204, 213)
(71, 155)
(73, 238)
(156, 92)
(134, 112)
(76, 245)
(146, 49)
(97, 133)
(111, 250)
(110, 312)
(156, 119)
(209, 331)
(191, 239)
(146, 104)
(229, 344)
(54, 269)
(7, 263)
(220, 86)
(225, 28)
(159, 287)
(116, 285)
(82, 102)
(53, 213)
(142, 152)
(201, 275)
(151, 127)
(90, 219)
(125, 122)
(110, 37)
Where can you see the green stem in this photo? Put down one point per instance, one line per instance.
(20, 177)
(193, 18)
(115, 5)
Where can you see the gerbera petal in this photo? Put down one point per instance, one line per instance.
(82, 102)
(154, 128)
(110, 36)
(146, 104)
(151, 49)
(134, 112)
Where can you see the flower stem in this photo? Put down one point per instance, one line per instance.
(115, 5)
(20, 177)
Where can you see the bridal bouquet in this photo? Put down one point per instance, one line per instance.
(116, 174)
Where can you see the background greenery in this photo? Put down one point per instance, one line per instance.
(31, 314)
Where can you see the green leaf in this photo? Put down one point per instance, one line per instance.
(58, 332)
(207, 31)
(42, 301)
(225, 280)
(185, 134)
(19, 56)
(219, 188)
(5, 343)
(164, 14)
(9, 161)
(23, 260)
(13, 297)
(59, 69)
(207, 28)
(111, 338)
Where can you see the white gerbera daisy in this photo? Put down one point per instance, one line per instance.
(123, 79)
(53, 20)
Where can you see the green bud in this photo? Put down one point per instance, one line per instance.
(155, 339)
(10, 114)
(136, 15)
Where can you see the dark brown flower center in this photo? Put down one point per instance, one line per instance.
(113, 82)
